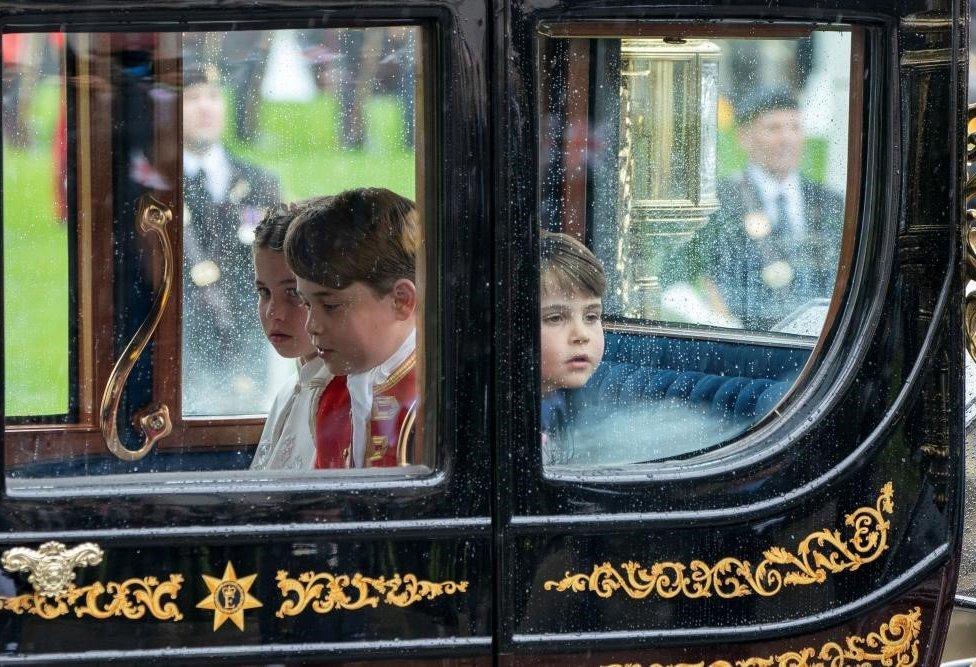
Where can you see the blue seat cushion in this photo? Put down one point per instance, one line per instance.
(736, 398)
(726, 358)
(629, 413)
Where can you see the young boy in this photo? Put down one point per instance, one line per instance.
(286, 442)
(572, 284)
(355, 258)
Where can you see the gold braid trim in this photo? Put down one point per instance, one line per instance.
(132, 598)
(818, 554)
(895, 644)
(397, 374)
(327, 592)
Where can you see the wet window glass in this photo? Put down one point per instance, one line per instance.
(192, 228)
(693, 195)
(967, 564)
(35, 238)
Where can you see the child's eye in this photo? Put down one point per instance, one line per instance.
(294, 298)
(594, 317)
(553, 318)
(263, 292)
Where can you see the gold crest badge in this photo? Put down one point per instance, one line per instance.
(229, 597)
(385, 408)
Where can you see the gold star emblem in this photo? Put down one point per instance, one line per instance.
(229, 597)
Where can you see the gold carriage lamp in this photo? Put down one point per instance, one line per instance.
(668, 137)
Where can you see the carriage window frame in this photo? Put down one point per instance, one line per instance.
(578, 222)
(91, 352)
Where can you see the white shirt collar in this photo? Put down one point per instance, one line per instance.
(770, 188)
(360, 387)
(216, 167)
(313, 372)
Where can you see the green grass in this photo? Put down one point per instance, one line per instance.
(298, 142)
(35, 274)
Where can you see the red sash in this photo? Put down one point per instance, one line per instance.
(333, 425)
(390, 428)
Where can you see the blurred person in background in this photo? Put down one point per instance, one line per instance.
(772, 247)
(224, 368)
(367, 63)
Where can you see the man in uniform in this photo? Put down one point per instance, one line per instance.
(773, 245)
(224, 355)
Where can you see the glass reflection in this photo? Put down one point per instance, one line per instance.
(711, 194)
(770, 253)
(259, 109)
(35, 228)
(224, 198)
(268, 126)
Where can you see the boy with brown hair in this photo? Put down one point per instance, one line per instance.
(572, 283)
(355, 258)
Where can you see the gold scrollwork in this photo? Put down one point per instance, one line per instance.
(894, 644)
(818, 554)
(132, 598)
(52, 565)
(327, 592)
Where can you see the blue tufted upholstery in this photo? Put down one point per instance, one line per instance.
(735, 381)
(712, 357)
(731, 398)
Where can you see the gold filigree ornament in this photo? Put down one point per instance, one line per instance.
(818, 555)
(895, 644)
(327, 592)
(132, 599)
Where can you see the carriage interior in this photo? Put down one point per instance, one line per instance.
(637, 134)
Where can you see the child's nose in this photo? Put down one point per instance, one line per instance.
(309, 324)
(274, 310)
(579, 333)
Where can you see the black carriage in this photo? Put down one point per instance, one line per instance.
(764, 467)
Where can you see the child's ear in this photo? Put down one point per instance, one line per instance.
(404, 299)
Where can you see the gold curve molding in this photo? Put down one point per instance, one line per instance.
(895, 644)
(818, 554)
(327, 592)
(132, 598)
(154, 420)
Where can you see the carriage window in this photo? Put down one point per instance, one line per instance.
(35, 242)
(693, 194)
(213, 258)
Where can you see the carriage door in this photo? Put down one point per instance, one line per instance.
(151, 509)
(735, 407)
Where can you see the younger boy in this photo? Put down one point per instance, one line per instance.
(572, 284)
(355, 259)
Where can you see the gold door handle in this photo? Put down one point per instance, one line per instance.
(969, 191)
(154, 419)
(52, 566)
